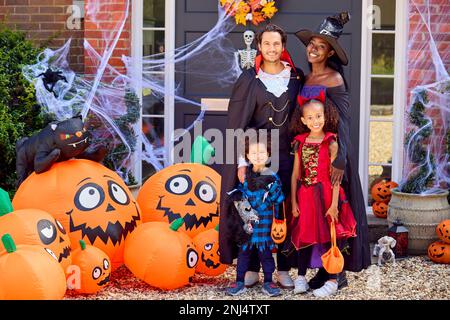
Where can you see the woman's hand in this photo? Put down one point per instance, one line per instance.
(333, 212)
(295, 210)
(336, 176)
(241, 173)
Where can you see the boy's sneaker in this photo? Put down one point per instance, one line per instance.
(271, 289)
(251, 279)
(300, 285)
(328, 289)
(236, 288)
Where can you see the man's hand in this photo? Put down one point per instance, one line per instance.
(333, 213)
(336, 176)
(241, 173)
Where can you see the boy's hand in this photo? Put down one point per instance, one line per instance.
(333, 213)
(295, 210)
(241, 174)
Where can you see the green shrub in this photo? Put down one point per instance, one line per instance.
(19, 111)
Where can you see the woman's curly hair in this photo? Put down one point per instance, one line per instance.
(331, 118)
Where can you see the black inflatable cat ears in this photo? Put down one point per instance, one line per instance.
(54, 125)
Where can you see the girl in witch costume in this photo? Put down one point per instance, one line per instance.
(262, 189)
(264, 97)
(315, 202)
(326, 58)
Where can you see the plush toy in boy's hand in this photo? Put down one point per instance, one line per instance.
(56, 142)
(247, 213)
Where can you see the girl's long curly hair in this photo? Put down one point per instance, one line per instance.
(331, 118)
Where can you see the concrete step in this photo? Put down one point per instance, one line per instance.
(377, 227)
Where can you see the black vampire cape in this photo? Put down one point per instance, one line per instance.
(359, 251)
(249, 107)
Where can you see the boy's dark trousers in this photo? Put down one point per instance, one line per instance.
(264, 257)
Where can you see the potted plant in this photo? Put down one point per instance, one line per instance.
(420, 201)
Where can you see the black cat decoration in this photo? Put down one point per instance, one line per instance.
(58, 141)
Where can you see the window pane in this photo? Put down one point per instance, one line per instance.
(153, 42)
(387, 14)
(154, 13)
(380, 142)
(382, 97)
(148, 170)
(383, 53)
(152, 104)
(153, 128)
(376, 174)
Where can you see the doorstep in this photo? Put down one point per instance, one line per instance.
(377, 227)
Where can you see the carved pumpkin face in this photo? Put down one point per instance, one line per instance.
(161, 255)
(439, 252)
(207, 244)
(29, 272)
(380, 209)
(185, 190)
(34, 226)
(278, 232)
(443, 231)
(380, 192)
(91, 201)
(95, 268)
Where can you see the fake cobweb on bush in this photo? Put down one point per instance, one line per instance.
(427, 143)
(107, 100)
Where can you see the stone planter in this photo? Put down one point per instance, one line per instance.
(420, 214)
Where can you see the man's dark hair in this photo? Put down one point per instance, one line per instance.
(273, 28)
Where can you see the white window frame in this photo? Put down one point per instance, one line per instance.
(169, 78)
(400, 87)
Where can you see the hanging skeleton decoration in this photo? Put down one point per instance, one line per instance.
(246, 57)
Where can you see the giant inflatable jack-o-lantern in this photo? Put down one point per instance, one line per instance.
(34, 226)
(161, 255)
(189, 191)
(29, 272)
(207, 244)
(91, 201)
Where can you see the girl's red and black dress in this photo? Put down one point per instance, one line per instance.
(314, 196)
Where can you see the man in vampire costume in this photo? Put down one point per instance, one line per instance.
(264, 97)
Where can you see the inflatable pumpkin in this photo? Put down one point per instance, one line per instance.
(161, 255)
(439, 252)
(95, 268)
(91, 201)
(186, 190)
(207, 244)
(443, 231)
(380, 209)
(30, 272)
(34, 226)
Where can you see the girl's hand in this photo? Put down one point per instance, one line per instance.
(333, 213)
(295, 210)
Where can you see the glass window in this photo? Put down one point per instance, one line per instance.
(154, 13)
(382, 97)
(380, 142)
(383, 53)
(153, 42)
(387, 13)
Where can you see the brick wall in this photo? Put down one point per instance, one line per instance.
(44, 22)
(107, 18)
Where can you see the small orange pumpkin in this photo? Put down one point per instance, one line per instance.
(207, 244)
(380, 209)
(380, 192)
(185, 190)
(439, 252)
(34, 226)
(91, 201)
(29, 272)
(94, 266)
(443, 231)
(161, 255)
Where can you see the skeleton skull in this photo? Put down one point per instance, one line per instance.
(249, 36)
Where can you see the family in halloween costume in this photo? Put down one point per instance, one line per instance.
(320, 182)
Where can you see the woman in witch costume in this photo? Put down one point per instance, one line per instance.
(326, 59)
(264, 97)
